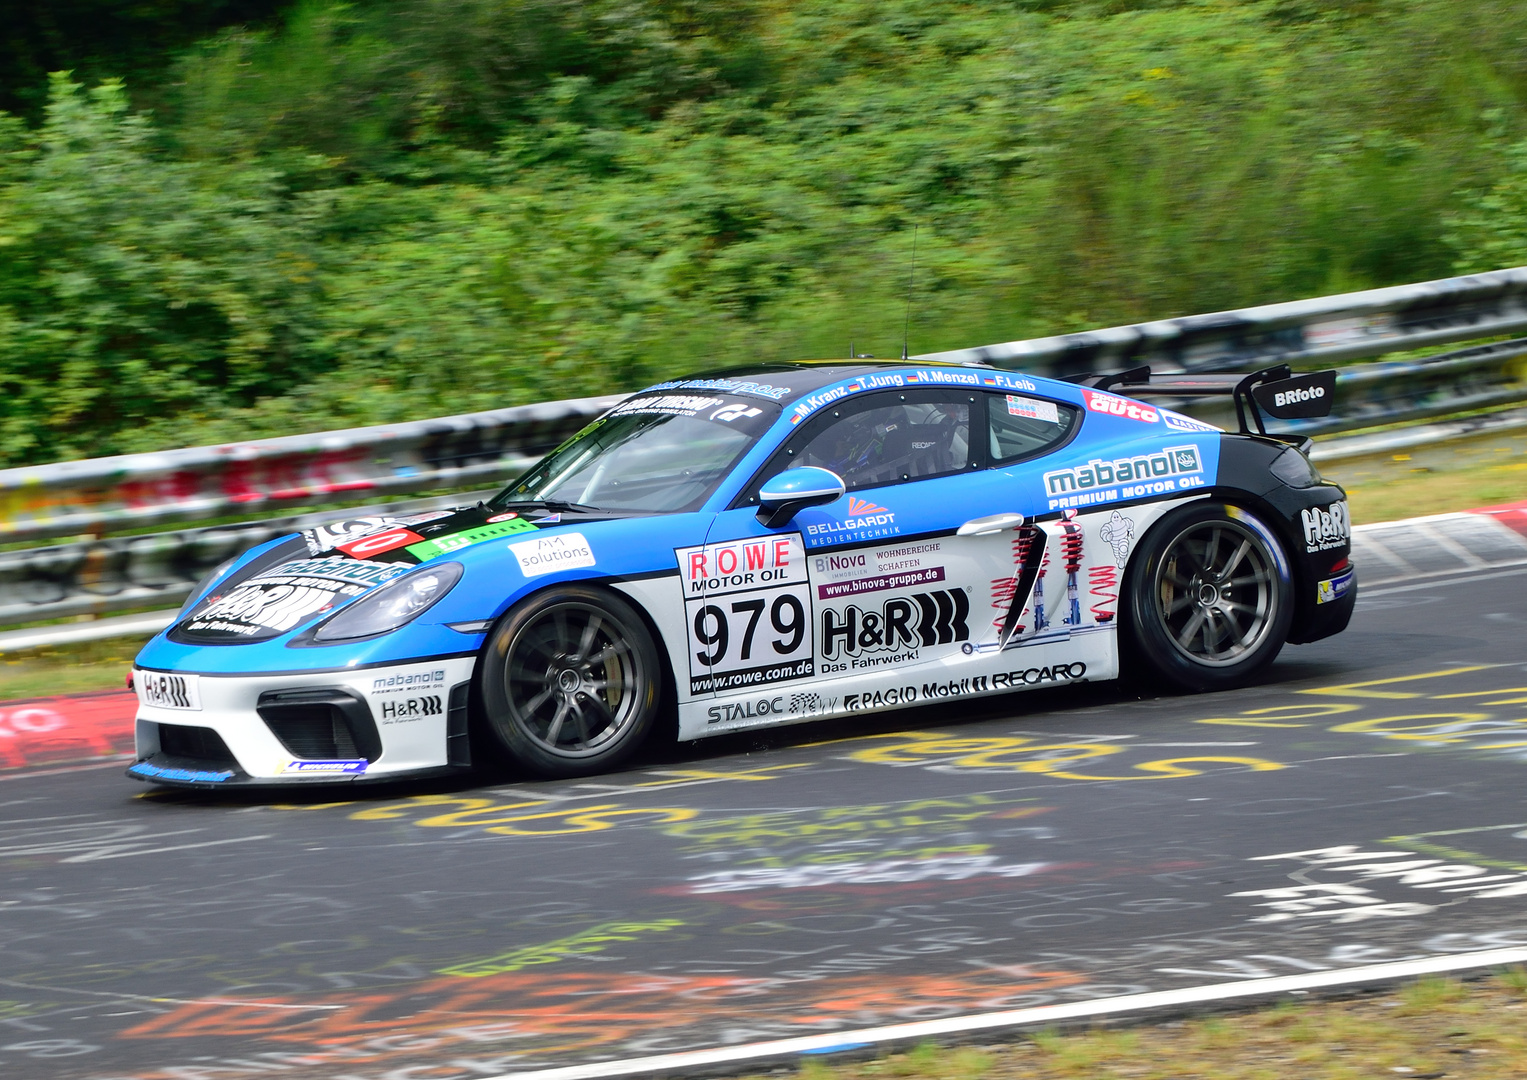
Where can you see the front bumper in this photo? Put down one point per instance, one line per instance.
(375, 723)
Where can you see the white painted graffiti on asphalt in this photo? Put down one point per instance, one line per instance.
(940, 868)
(1341, 884)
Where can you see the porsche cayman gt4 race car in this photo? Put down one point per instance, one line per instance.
(766, 546)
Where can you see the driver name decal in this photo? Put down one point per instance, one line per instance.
(747, 606)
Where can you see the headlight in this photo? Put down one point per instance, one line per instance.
(394, 604)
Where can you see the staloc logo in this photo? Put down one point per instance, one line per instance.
(728, 711)
(902, 622)
(1328, 528)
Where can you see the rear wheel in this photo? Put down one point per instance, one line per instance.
(570, 682)
(1210, 598)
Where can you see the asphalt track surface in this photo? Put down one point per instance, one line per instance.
(1052, 847)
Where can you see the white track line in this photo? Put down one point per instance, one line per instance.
(1044, 1014)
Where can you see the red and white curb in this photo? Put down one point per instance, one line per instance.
(735, 1058)
(81, 729)
(1439, 544)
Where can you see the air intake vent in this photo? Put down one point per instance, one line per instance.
(321, 724)
(315, 731)
(198, 744)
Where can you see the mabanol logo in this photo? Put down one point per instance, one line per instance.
(1171, 469)
(1328, 528)
(865, 520)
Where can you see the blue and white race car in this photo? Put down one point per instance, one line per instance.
(772, 545)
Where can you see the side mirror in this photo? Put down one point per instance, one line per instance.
(791, 491)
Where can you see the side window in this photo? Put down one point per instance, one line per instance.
(1019, 427)
(885, 439)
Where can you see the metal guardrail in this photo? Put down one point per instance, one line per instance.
(102, 573)
(100, 576)
(1305, 333)
(114, 494)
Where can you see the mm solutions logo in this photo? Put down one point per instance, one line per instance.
(1171, 469)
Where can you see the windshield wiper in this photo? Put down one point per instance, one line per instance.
(554, 505)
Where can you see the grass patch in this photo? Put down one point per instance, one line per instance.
(1459, 475)
(1432, 1028)
(68, 669)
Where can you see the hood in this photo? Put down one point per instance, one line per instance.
(322, 568)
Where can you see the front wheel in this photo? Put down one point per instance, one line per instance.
(570, 682)
(1210, 598)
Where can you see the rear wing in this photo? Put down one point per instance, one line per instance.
(1276, 391)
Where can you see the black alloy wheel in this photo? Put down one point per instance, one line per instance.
(1210, 597)
(570, 681)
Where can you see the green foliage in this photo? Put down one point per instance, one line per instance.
(383, 211)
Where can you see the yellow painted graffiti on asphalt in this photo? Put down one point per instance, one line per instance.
(1467, 730)
(1017, 753)
(593, 940)
(521, 818)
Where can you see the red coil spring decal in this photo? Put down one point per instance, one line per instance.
(1071, 547)
(1004, 589)
(1103, 584)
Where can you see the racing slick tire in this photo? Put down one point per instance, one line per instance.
(1210, 598)
(570, 682)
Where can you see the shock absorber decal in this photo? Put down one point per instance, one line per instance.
(1029, 544)
(1005, 590)
(1071, 555)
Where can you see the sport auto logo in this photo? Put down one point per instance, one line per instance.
(1117, 406)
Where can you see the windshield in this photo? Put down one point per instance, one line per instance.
(656, 453)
